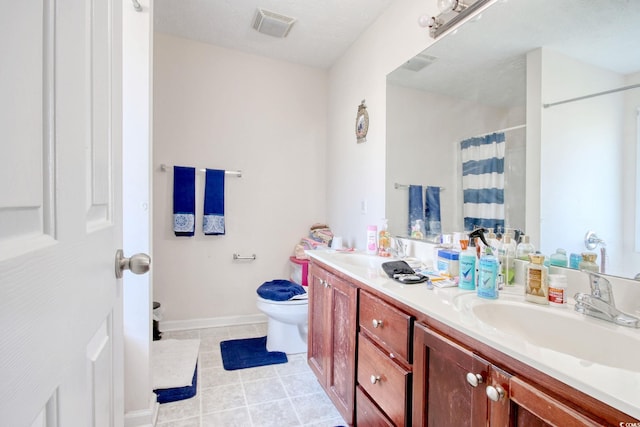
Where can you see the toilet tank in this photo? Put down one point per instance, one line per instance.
(299, 270)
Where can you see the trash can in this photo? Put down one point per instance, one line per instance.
(156, 317)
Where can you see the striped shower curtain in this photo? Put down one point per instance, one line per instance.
(483, 181)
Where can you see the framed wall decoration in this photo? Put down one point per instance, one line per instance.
(362, 123)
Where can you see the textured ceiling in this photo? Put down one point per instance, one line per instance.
(485, 61)
(322, 33)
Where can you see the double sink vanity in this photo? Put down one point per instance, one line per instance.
(390, 354)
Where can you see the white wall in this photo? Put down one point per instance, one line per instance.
(630, 187)
(137, 292)
(356, 172)
(222, 109)
(423, 134)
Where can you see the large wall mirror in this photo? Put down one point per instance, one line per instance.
(561, 81)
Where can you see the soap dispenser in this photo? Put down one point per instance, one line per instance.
(384, 240)
(524, 248)
(507, 254)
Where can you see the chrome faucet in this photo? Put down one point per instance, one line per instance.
(600, 303)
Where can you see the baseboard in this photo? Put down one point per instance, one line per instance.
(143, 417)
(212, 322)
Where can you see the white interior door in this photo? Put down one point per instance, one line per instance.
(60, 213)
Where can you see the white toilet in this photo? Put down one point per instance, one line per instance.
(287, 324)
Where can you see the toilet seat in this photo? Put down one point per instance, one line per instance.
(299, 301)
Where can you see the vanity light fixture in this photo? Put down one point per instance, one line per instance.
(452, 12)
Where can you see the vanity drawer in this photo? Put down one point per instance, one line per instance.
(384, 380)
(367, 413)
(390, 327)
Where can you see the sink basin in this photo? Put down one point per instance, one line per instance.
(557, 329)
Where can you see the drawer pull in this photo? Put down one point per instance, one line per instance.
(377, 323)
(375, 379)
(495, 393)
(474, 379)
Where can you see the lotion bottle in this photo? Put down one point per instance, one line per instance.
(488, 275)
(536, 288)
(372, 240)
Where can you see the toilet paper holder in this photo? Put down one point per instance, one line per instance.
(239, 257)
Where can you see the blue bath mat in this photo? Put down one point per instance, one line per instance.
(249, 353)
(165, 395)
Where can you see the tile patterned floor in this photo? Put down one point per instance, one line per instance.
(277, 395)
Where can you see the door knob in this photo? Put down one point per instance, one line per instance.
(137, 264)
(495, 393)
(474, 379)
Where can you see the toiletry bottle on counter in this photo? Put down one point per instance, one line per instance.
(558, 290)
(559, 259)
(524, 248)
(384, 240)
(468, 265)
(372, 240)
(507, 254)
(536, 287)
(488, 275)
(589, 262)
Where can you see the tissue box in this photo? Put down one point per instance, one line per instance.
(299, 270)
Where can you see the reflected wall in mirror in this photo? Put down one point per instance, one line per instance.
(497, 73)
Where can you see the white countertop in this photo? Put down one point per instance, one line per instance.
(612, 375)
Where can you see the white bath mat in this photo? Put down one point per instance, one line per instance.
(173, 362)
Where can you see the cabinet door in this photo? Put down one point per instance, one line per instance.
(342, 372)
(534, 407)
(318, 339)
(442, 392)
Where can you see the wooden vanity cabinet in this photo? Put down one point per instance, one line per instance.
(333, 304)
(384, 351)
(442, 393)
(450, 389)
(426, 373)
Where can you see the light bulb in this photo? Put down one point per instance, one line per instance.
(447, 5)
(424, 21)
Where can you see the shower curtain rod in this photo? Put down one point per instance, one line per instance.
(498, 131)
(164, 168)
(397, 186)
(580, 98)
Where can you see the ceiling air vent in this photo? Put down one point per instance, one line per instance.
(273, 24)
(418, 62)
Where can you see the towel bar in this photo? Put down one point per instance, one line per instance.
(238, 256)
(164, 168)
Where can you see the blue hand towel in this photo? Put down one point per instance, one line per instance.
(416, 206)
(280, 290)
(432, 210)
(213, 220)
(184, 201)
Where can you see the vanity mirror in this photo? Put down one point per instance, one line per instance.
(570, 167)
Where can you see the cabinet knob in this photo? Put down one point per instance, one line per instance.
(377, 323)
(324, 283)
(495, 393)
(474, 379)
(375, 379)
